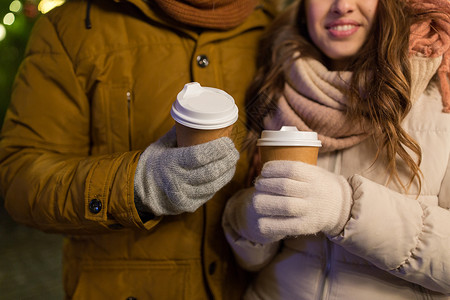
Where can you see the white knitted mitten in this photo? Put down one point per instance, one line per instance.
(295, 198)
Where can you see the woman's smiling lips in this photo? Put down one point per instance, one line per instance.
(342, 28)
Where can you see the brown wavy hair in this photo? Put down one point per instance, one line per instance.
(381, 70)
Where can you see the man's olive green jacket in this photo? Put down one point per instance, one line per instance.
(94, 90)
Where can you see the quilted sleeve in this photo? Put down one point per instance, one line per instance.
(48, 178)
(399, 234)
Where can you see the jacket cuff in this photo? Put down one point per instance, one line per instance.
(250, 256)
(109, 193)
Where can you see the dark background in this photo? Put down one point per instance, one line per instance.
(30, 260)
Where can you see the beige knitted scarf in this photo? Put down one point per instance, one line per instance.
(212, 14)
(314, 100)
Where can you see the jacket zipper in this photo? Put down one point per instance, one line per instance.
(129, 118)
(324, 284)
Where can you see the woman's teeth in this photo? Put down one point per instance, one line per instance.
(343, 27)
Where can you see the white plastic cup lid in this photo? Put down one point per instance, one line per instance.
(289, 136)
(204, 107)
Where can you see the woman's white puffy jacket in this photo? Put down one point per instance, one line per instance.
(394, 246)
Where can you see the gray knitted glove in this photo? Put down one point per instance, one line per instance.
(171, 180)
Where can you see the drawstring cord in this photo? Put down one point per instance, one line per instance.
(87, 21)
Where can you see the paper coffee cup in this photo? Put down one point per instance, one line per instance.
(289, 143)
(202, 114)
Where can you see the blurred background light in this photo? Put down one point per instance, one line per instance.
(47, 5)
(15, 6)
(2, 32)
(8, 19)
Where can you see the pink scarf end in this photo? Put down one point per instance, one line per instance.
(431, 38)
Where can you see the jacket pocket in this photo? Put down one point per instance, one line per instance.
(111, 117)
(135, 279)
